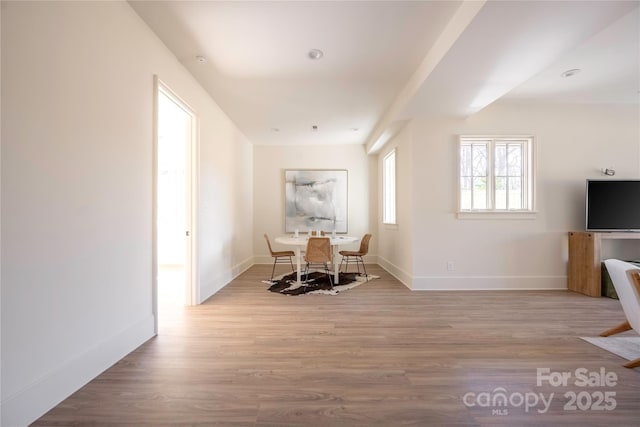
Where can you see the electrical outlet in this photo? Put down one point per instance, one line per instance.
(451, 266)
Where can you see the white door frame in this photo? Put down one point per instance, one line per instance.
(192, 290)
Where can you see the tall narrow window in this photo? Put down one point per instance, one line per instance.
(496, 174)
(389, 188)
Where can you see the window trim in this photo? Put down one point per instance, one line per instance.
(394, 220)
(529, 173)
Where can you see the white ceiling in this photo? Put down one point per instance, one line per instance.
(388, 61)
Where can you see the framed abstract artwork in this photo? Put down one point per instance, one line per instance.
(315, 200)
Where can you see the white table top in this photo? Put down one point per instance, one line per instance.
(303, 238)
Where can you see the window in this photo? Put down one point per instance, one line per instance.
(389, 188)
(496, 174)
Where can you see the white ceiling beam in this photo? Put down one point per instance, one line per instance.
(456, 26)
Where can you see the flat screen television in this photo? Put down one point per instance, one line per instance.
(613, 205)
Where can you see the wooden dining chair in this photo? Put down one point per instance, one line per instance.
(357, 255)
(279, 257)
(626, 279)
(318, 253)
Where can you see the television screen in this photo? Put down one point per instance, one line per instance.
(613, 205)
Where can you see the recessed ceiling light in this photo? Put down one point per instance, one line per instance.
(201, 58)
(315, 54)
(314, 128)
(275, 129)
(571, 72)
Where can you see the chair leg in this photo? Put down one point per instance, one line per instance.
(273, 269)
(632, 364)
(326, 270)
(306, 274)
(346, 269)
(364, 268)
(291, 262)
(340, 268)
(624, 326)
(346, 265)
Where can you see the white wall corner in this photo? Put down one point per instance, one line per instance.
(223, 279)
(370, 259)
(264, 259)
(241, 267)
(404, 277)
(33, 401)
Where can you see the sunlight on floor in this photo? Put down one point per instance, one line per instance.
(171, 293)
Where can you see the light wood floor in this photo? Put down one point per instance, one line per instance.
(378, 354)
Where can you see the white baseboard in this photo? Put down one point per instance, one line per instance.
(268, 259)
(404, 277)
(241, 267)
(224, 279)
(472, 283)
(487, 283)
(264, 259)
(33, 401)
(442, 283)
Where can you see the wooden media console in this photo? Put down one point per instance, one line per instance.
(585, 262)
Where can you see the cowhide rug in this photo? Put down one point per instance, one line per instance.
(317, 283)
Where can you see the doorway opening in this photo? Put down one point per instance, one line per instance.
(174, 183)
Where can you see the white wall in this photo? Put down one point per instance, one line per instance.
(573, 143)
(269, 166)
(77, 158)
(226, 201)
(396, 242)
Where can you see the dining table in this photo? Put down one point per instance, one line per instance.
(300, 242)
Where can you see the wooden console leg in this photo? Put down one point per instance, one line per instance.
(632, 364)
(616, 330)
